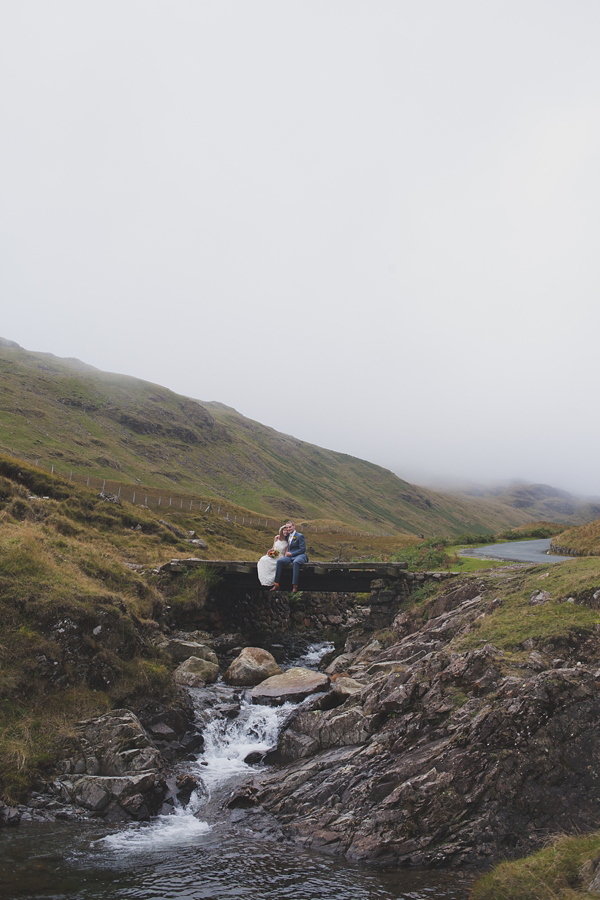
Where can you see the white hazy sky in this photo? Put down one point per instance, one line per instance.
(372, 224)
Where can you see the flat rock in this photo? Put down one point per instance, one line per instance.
(252, 666)
(293, 686)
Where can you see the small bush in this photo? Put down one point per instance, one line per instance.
(539, 531)
(470, 538)
(428, 555)
(7, 489)
(20, 509)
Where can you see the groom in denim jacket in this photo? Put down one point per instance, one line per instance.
(295, 556)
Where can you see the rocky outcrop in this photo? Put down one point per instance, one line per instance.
(292, 686)
(115, 769)
(343, 687)
(251, 667)
(443, 757)
(113, 744)
(117, 799)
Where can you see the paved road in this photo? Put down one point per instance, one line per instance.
(519, 551)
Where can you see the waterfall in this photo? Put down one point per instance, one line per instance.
(227, 742)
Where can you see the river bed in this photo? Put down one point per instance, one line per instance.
(197, 853)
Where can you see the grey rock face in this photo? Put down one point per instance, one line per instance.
(119, 799)
(444, 757)
(114, 744)
(343, 687)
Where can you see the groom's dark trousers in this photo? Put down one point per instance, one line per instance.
(298, 550)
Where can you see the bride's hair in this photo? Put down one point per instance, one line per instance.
(280, 535)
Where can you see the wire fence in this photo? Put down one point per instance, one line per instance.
(149, 498)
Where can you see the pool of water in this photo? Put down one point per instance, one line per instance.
(186, 861)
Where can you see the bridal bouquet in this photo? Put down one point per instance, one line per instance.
(272, 553)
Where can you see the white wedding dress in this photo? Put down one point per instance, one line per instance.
(267, 564)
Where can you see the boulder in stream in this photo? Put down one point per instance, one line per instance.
(252, 666)
(196, 672)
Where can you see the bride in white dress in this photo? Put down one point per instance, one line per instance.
(267, 564)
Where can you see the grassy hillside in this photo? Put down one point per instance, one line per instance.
(583, 540)
(78, 418)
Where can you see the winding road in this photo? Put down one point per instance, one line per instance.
(518, 551)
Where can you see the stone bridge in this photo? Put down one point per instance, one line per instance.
(333, 598)
(318, 576)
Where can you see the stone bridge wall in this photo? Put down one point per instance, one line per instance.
(261, 614)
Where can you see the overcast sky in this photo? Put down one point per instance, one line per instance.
(373, 225)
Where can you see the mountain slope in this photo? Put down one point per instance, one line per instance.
(540, 501)
(70, 414)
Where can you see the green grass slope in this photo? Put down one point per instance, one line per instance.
(66, 413)
(582, 540)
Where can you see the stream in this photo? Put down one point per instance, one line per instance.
(199, 851)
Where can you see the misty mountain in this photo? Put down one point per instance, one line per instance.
(67, 413)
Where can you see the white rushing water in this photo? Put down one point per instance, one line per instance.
(227, 742)
(163, 833)
(313, 655)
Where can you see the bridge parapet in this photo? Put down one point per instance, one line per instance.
(318, 576)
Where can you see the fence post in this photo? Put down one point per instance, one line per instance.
(53, 468)
(119, 493)
(159, 499)
(103, 485)
(133, 500)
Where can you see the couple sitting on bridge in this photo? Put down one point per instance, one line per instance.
(289, 549)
